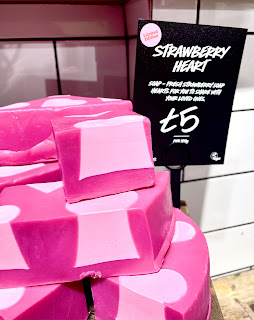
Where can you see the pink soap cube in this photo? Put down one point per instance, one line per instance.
(32, 173)
(26, 132)
(50, 302)
(50, 240)
(104, 155)
(179, 291)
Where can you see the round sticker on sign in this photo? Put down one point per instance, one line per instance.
(150, 35)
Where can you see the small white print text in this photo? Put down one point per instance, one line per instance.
(186, 90)
(186, 141)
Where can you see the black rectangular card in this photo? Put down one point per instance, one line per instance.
(185, 80)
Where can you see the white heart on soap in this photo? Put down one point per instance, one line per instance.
(116, 121)
(183, 232)
(8, 213)
(12, 170)
(163, 286)
(121, 201)
(59, 96)
(17, 105)
(108, 99)
(46, 187)
(9, 297)
(87, 115)
(62, 102)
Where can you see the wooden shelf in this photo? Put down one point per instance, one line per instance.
(236, 295)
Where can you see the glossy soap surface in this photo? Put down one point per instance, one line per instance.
(32, 173)
(52, 241)
(49, 302)
(103, 154)
(179, 291)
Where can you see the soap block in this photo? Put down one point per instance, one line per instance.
(32, 173)
(26, 132)
(52, 241)
(50, 302)
(104, 155)
(179, 291)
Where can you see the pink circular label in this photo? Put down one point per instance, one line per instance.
(150, 35)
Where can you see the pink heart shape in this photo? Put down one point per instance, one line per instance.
(17, 105)
(183, 232)
(47, 187)
(163, 286)
(12, 170)
(108, 99)
(8, 213)
(115, 202)
(62, 102)
(9, 297)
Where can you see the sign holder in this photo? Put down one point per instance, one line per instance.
(175, 171)
(175, 179)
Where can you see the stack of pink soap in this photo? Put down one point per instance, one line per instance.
(26, 132)
(52, 241)
(104, 154)
(42, 247)
(120, 227)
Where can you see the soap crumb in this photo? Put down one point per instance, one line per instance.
(92, 274)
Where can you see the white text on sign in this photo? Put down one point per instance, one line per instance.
(183, 120)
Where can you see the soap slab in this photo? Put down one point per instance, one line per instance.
(26, 132)
(50, 240)
(50, 302)
(33, 173)
(104, 155)
(179, 291)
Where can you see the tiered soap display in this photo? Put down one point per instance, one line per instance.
(179, 291)
(100, 211)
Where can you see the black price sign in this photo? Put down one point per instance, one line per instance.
(185, 81)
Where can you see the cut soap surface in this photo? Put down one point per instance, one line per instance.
(104, 154)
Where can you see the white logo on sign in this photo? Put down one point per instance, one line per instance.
(214, 156)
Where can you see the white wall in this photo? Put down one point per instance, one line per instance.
(220, 197)
(93, 43)
(91, 47)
